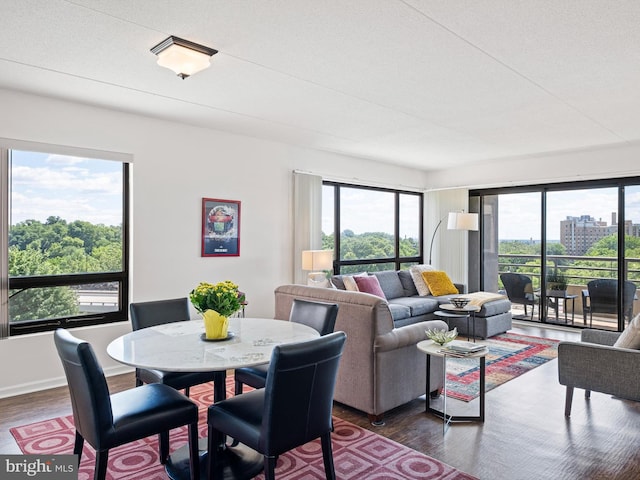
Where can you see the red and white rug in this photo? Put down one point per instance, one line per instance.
(358, 453)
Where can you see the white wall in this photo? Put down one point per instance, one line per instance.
(621, 160)
(175, 166)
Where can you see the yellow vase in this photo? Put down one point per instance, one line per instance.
(215, 325)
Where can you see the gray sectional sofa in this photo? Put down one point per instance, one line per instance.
(381, 367)
(407, 307)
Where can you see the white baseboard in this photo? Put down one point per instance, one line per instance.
(31, 387)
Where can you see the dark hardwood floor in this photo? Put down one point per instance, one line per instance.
(525, 434)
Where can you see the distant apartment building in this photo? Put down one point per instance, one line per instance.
(577, 234)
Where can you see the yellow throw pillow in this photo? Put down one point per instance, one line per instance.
(439, 283)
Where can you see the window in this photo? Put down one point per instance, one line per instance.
(66, 244)
(379, 229)
(564, 236)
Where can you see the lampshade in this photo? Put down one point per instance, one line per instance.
(314, 260)
(182, 56)
(462, 221)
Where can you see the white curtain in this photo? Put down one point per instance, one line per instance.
(450, 247)
(307, 219)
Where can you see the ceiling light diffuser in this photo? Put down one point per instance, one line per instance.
(182, 56)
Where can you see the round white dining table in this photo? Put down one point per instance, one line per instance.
(181, 347)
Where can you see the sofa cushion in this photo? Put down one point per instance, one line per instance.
(370, 285)
(390, 284)
(439, 283)
(407, 283)
(420, 284)
(630, 337)
(399, 312)
(417, 305)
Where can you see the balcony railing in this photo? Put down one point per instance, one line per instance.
(578, 271)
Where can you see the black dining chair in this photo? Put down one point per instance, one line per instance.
(106, 421)
(601, 296)
(318, 315)
(159, 312)
(294, 407)
(519, 289)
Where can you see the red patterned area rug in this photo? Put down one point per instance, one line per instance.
(358, 453)
(510, 355)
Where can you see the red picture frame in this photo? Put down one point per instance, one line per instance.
(220, 228)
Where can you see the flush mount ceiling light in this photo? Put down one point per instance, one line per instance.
(182, 56)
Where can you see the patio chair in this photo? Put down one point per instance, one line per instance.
(601, 296)
(519, 289)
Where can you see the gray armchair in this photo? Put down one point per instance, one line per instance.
(595, 364)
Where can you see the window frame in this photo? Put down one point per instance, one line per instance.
(396, 259)
(39, 281)
(476, 197)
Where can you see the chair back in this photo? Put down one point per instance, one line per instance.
(90, 400)
(299, 392)
(518, 286)
(159, 312)
(603, 295)
(318, 315)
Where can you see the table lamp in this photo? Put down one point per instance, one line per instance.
(317, 262)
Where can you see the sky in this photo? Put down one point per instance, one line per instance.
(519, 217)
(72, 188)
(371, 211)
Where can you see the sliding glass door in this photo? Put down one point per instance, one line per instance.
(575, 246)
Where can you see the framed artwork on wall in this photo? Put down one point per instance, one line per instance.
(220, 228)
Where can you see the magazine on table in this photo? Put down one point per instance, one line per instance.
(460, 346)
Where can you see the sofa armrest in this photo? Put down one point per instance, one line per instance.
(601, 337)
(600, 368)
(407, 335)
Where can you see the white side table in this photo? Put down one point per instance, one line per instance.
(430, 348)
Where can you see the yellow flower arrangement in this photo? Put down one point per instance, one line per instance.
(223, 297)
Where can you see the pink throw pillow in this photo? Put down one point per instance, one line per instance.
(370, 285)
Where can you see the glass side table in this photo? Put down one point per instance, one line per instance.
(468, 311)
(430, 348)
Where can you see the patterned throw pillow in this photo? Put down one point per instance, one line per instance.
(416, 274)
(630, 337)
(439, 283)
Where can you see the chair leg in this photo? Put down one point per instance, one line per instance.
(194, 454)
(587, 394)
(238, 388)
(214, 444)
(163, 443)
(567, 401)
(186, 391)
(270, 467)
(327, 456)
(102, 458)
(77, 447)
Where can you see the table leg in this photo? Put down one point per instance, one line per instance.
(482, 387)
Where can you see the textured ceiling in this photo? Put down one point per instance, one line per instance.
(429, 84)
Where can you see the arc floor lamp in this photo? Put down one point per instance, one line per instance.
(456, 221)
